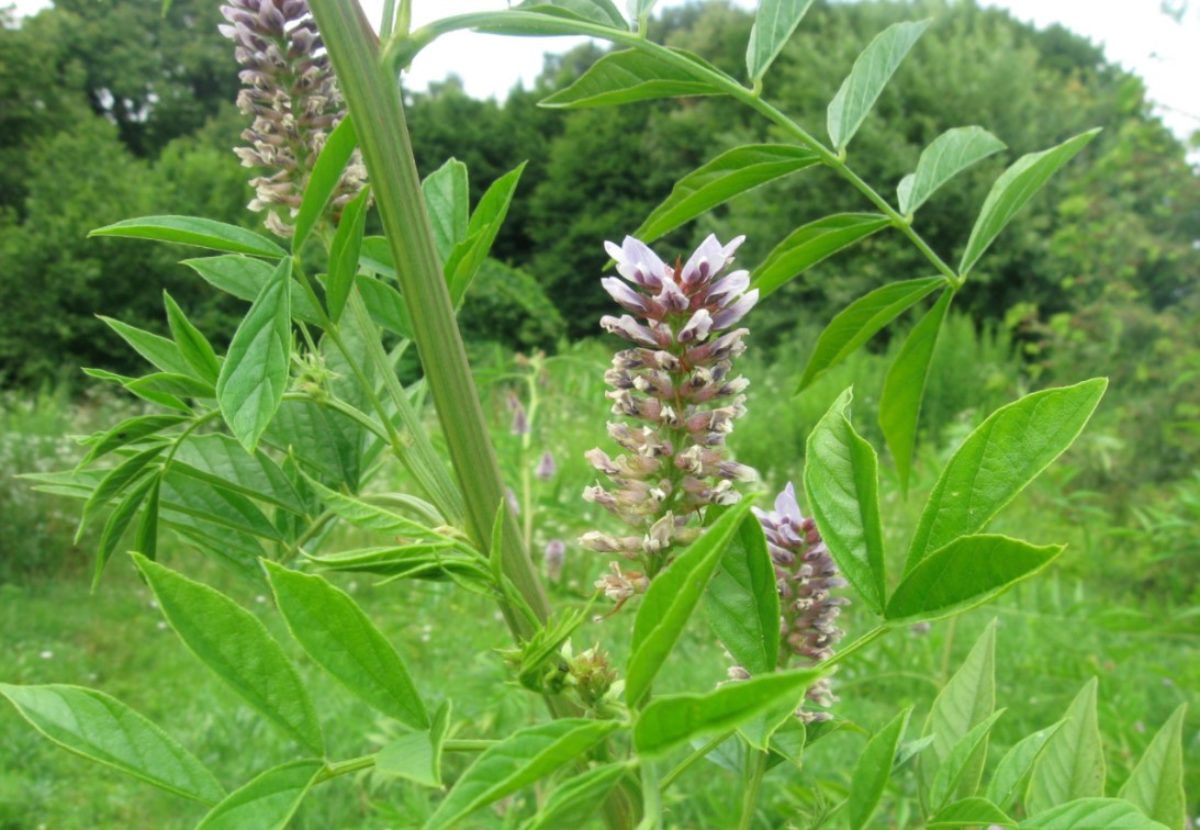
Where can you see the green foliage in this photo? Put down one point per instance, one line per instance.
(874, 768)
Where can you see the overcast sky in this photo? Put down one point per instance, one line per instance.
(1135, 33)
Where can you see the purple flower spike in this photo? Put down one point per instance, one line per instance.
(677, 381)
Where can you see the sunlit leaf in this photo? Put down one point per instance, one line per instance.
(861, 320)
(946, 156)
(959, 771)
(871, 72)
(967, 700)
(194, 230)
(194, 347)
(1072, 765)
(326, 173)
(812, 243)
(1012, 772)
(1156, 784)
(343, 254)
(488, 217)
(774, 24)
(417, 756)
(1092, 814)
(576, 799)
(102, 729)
(1016, 186)
(448, 203)
(742, 601)
(970, 812)
(873, 770)
(268, 801)
(632, 75)
(595, 11)
(157, 350)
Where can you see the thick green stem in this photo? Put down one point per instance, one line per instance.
(374, 101)
(756, 768)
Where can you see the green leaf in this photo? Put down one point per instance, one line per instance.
(670, 600)
(129, 431)
(526, 756)
(960, 770)
(1072, 765)
(448, 203)
(632, 75)
(946, 156)
(145, 540)
(1015, 765)
(873, 770)
(323, 180)
(102, 729)
(858, 322)
(343, 254)
(1016, 186)
(371, 517)
(575, 800)
(1092, 814)
(237, 647)
(967, 700)
(996, 462)
(385, 305)
(254, 375)
(340, 638)
(965, 573)
(595, 11)
(841, 480)
(640, 8)
(904, 387)
(194, 347)
(158, 351)
(715, 182)
(157, 398)
(742, 600)
(220, 461)
(194, 230)
(812, 243)
(244, 278)
(773, 26)
(417, 756)
(115, 481)
(170, 383)
(268, 801)
(870, 74)
(970, 812)
(671, 720)
(467, 257)
(1156, 784)
(118, 522)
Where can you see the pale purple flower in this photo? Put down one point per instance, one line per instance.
(546, 468)
(806, 576)
(676, 385)
(554, 556)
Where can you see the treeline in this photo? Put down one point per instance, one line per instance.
(111, 111)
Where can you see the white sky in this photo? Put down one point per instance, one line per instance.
(1134, 33)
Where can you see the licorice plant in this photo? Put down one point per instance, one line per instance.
(254, 456)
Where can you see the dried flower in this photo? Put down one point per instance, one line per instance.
(676, 381)
(806, 575)
(291, 93)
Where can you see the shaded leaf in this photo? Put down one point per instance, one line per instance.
(118, 522)
(841, 480)
(129, 431)
(343, 254)
(519, 760)
(326, 173)
(670, 600)
(960, 770)
(115, 481)
(595, 11)
(967, 700)
(904, 387)
(158, 351)
(254, 375)
(742, 600)
(1092, 814)
(266, 802)
(1072, 765)
(486, 220)
(194, 347)
(870, 74)
(812, 243)
(194, 230)
(102, 729)
(417, 756)
(946, 156)
(244, 277)
(970, 812)
(858, 322)
(1156, 784)
(448, 203)
(873, 770)
(576, 799)
(1015, 765)
(671, 720)
(237, 647)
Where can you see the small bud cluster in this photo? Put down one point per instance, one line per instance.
(676, 384)
(291, 93)
(806, 575)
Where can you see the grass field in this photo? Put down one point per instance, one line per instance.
(1116, 607)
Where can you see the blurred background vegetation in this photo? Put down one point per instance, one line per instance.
(108, 110)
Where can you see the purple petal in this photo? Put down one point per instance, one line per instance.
(728, 316)
(697, 328)
(729, 287)
(625, 296)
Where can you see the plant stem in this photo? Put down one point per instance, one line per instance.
(373, 98)
(467, 745)
(696, 755)
(651, 798)
(755, 769)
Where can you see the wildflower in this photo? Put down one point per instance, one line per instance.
(546, 467)
(806, 575)
(291, 93)
(520, 419)
(676, 380)
(554, 556)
